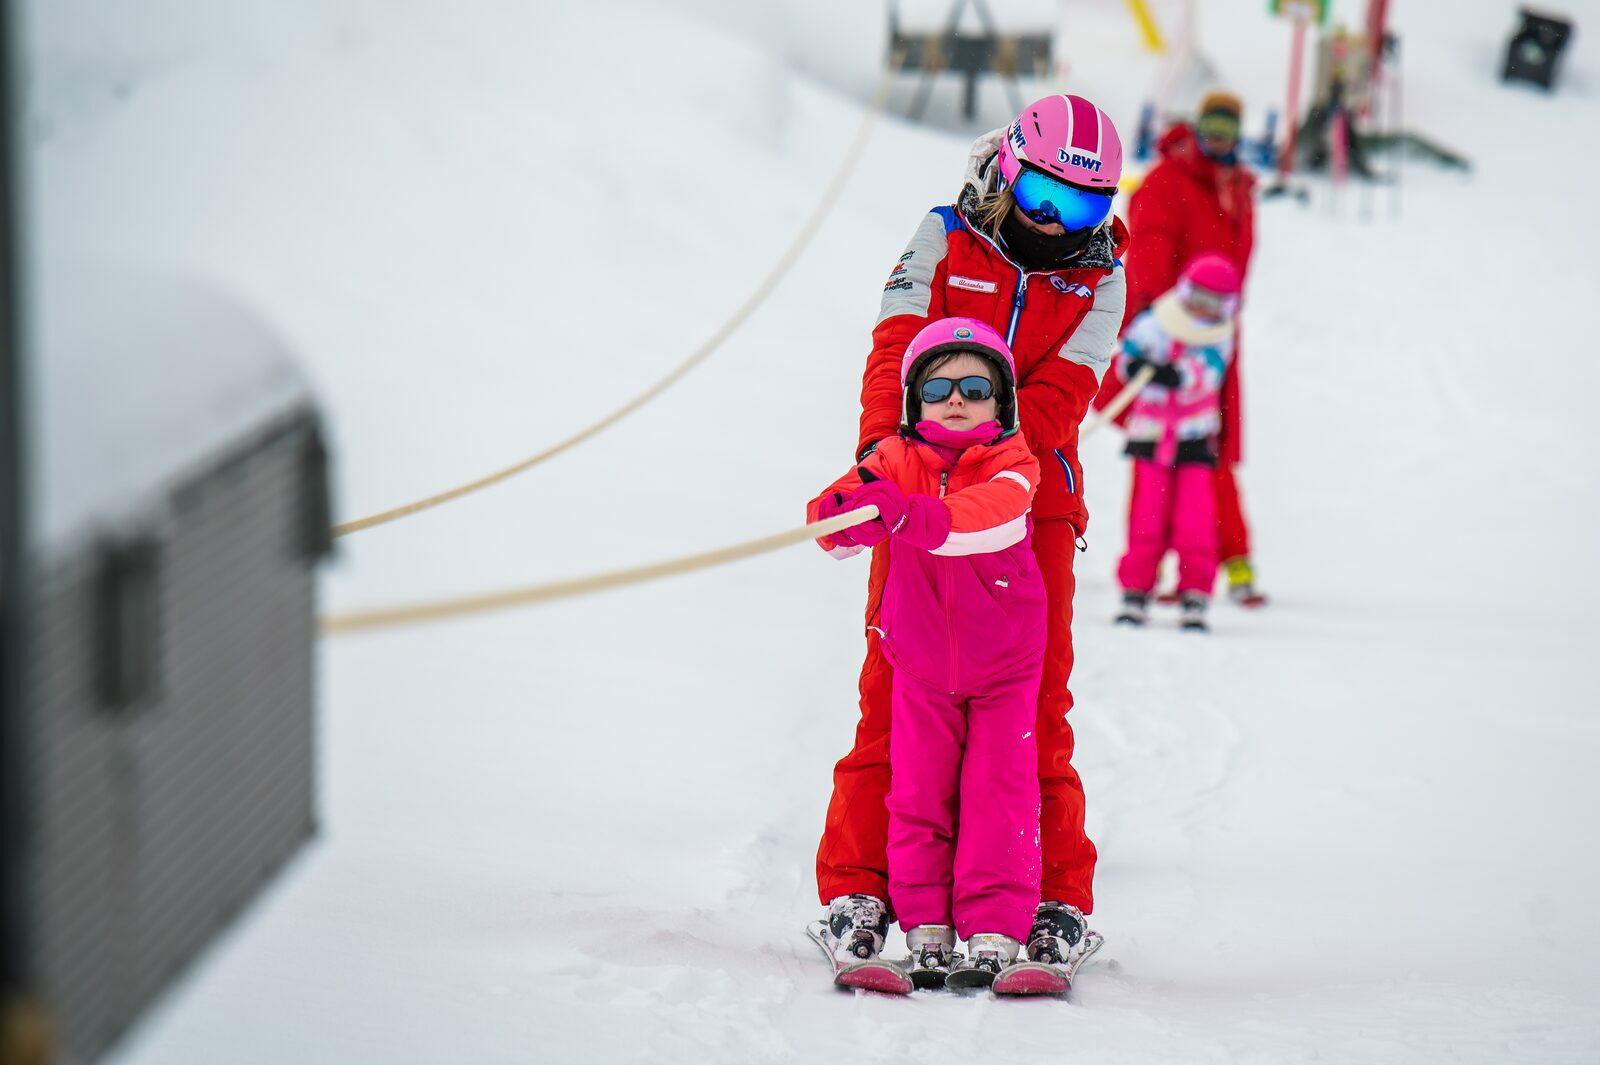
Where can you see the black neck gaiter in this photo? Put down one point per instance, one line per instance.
(1038, 251)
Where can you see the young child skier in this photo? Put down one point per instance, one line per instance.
(962, 619)
(1187, 338)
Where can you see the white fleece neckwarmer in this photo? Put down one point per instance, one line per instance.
(1181, 325)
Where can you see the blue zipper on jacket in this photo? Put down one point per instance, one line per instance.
(1016, 306)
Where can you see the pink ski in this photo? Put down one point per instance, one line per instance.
(1042, 978)
(875, 974)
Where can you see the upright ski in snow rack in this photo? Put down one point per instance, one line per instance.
(874, 974)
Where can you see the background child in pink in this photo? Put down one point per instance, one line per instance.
(963, 623)
(1186, 337)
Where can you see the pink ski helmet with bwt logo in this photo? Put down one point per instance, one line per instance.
(1066, 137)
(950, 336)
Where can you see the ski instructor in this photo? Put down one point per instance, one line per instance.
(1030, 246)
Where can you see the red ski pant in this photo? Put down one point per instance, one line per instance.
(1233, 535)
(1173, 507)
(964, 806)
(852, 855)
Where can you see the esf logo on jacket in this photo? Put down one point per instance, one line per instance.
(1088, 162)
(1065, 287)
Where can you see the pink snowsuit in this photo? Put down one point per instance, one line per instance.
(1172, 433)
(963, 622)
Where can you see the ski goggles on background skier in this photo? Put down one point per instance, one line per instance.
(975, 388)
(1045, 200)
(1218, 126)
(1206, 305)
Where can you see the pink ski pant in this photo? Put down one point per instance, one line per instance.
(1173, 507)
(964, 805)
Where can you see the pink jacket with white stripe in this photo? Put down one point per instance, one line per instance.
(971, 610)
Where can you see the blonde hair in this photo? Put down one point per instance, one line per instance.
(992, 207)
(984, 199)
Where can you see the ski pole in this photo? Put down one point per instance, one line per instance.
(1396, 87)
(1297, 48)
(1374, 120)
(1339, 160)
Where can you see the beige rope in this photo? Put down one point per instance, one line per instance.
(829, 197)
(539, 593)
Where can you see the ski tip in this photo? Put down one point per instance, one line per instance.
(969, 979)
(874, 976)
(1032, 978)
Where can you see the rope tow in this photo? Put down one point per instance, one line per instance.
(383, 617)
(539, 593)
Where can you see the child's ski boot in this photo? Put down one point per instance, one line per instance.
(1193, 613)
(1058, 944)
(987, 954)
(931, 948)
(1135, 608)
(1242, 582)
(851, 936)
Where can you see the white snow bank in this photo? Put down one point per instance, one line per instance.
(141, 380)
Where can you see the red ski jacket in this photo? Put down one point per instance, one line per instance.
(1186, 206)
(1061, 326)
(971, 610)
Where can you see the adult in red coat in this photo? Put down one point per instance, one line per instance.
(1198, 198)
(1056, 297)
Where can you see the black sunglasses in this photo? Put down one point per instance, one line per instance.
(938, 389)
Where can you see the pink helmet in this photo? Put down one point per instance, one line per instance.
(952, 335)
(1209, 287)
(1067, 137)
(1214, 272)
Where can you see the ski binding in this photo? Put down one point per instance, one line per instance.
(1045, 978)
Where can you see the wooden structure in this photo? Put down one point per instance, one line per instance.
(949, 50)
(171, 621)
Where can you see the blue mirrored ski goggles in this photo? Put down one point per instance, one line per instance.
(1046, 200)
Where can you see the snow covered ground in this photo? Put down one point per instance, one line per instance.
(1350, 828)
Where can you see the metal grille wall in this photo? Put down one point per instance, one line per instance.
(170, 790)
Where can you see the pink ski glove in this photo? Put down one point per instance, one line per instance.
(887, 497)
(926, 524)
(867, 534)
